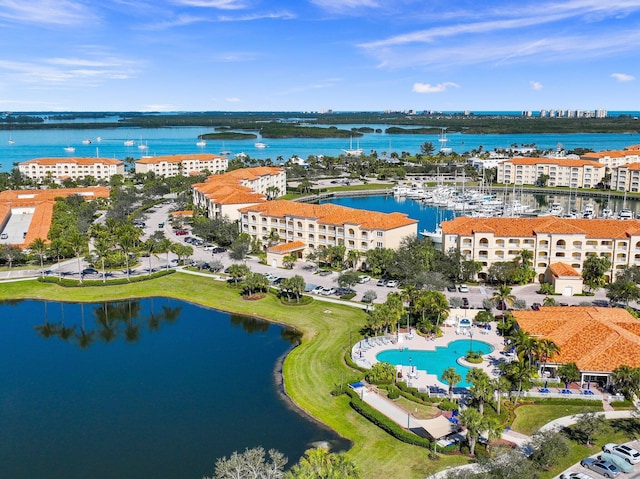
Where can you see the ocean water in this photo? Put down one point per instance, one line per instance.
(31, 144)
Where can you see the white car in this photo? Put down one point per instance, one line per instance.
(328, 291)
(627, 453)
(364, 279)
(317, 290)
(463, 288)
(575, 475)
(392, 284)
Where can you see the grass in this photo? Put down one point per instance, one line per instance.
(362, 187)
(419, 411)
(310, 371)
(530, 418)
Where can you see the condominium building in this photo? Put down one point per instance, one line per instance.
(626, 178)
(308, 227)
(223, 195)
(561, 172)
(614, 158)
(58, 169)
(185, 165)
(549, 239)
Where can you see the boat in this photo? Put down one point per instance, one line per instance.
(86, 141)
(443, 142)
(625, 214)
(69, 149)
(11, 141)
(260, 145)
(589, 211)
(99, 139)
(434, 236)
(143, 147)
(607, 213)
(357, 151)
(129, 142)
(225, 153)
(201, 143)
(556, 209)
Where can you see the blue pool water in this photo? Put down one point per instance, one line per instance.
(435, 362)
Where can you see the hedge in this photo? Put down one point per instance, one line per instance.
(386, 424)
(74, 283)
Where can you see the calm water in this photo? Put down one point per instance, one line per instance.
(31, 144)
(435, 362)
(154, 388)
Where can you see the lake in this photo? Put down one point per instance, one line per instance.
(152, 388)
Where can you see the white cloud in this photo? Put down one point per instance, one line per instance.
(220, 4)
(536, 85)
(345, 5)
(284, 15)
(232, 100)
(622, 77)
(51, 12)
(160, 107)
(428, 88)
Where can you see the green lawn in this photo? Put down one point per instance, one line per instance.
(310, 370)
(530, 418)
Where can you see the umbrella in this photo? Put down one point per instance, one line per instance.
(546, 384)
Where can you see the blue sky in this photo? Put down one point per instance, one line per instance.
(298, 55)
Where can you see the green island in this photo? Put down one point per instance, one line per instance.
(228, 135)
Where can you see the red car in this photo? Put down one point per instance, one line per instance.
(182, 232)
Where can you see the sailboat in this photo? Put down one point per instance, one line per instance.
(443, 142)
(201, 143)
(69, 149)
(129, 142)
(624, 213)
(357, 151)
(11, 141)
(143, 147)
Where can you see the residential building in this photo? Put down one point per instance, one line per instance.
(561, 172)
(626, 178)
(310, 227)
(58, 169)
(550, 240)
(185, 165)
(223, 195)
(614, 158)
(26, 214)
(598, 340)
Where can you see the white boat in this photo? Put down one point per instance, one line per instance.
(129, 142)
(589, 211)
(201, 143)
(86, 141)
(625, 214)
(443, 142)
(143, 147)
(607, 213)
(556, 209)
(434, 236)
(11, 141)
(260, 145)
(69, 149)
(357, 151)
(99, 139)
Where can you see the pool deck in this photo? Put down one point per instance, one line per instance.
(364, 352)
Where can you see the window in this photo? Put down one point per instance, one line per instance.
(379, 234)
(379, 244)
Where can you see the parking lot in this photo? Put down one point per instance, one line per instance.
(577, 468)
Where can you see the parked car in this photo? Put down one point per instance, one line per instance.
(317, 290)
(604, 468)
(381, 282)
(465, 303)
(343, 291)
(89, 271)
(328, 291)
(463, 288)
(364, 279)
(620, 462)
(502, 305)
(629, 454)
(536, 306)
(182, 232)
(451, 288)
(575, 475)
(392, 284)
(218, 249)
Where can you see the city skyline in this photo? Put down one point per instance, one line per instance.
(315, 55)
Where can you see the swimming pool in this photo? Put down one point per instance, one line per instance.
(435, 362)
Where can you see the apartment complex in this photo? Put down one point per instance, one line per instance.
(561, 172)
(614, 158)
(58, 169)
(185, 165)
(550, 240)
(626, 178)
(223, 195)
(308, 227)
(26, 214)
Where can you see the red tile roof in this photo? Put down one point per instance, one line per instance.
(596, 339)
(554, 161)
(179, 158)
(332, 214)
(226, 189)
(529, 227)
(563, 269)
(287, 247)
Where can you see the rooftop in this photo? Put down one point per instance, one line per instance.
(331, 214)
(562, 269)
(226, 189)
(287, 247)
(596, 339)
(179, 158)
(76, 161)
(554, 161)
(529, 227)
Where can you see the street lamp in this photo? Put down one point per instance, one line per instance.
(471, 339)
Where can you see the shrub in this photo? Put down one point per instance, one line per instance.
(348, 296)
(393, 393)
(74, 283)
(446, 405)
(381, 373)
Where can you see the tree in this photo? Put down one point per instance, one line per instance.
(500, 385)
(57, 249)
(240, 247)
(127, 236)
(78, 244)
(102, 248)
(289, 260)
(238, 271)
(546, 349)
(473, 421)
(149, 247)
(11, 254)
(39, 247)
(348, 279)
(593, 271)
(502, 272)
(503, 295)
(369, 296)
(427, 148)
(589, 425)
(548, 448)
(164, 246)
(481, 389)
(318, 463)
(626, 380)
(622, 290)
(543, 179)
(524, 344)
(451, 377)
(569, 373)
(520, 373)
(254, 282)
(381, 373)
(251, 464)
(294, 285)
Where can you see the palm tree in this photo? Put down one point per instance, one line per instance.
(503, 294)
(546, 349)
(627, 380)
(500, 385)
(518, 372)
(524, 344)
(451, 377)
(127, 237)
(149, 247)
(525, 257)
(353, 256)
(481, 389)
(78, 244)
(472, 420)
(39, 247)
(102, 248)
(57, 249)
(164, 246)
